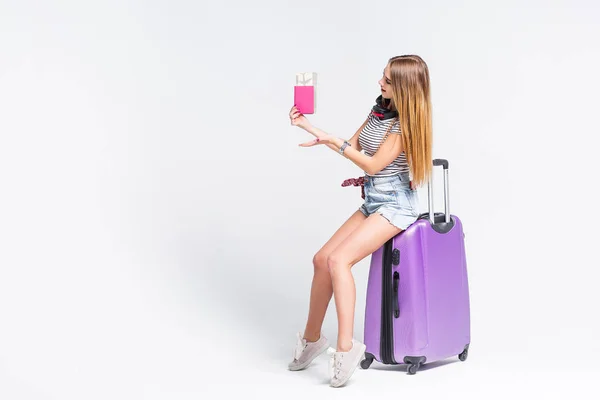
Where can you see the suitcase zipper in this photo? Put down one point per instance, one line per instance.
(387, 306)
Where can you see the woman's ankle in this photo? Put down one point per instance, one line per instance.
(312, 337)
(344, 346)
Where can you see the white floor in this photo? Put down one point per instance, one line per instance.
(489, 372)
(162, 354)
(188, 370)
(163, 334)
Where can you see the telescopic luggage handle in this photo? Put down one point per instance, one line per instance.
(444, 163)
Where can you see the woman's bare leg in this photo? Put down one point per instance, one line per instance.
(322, 288)
(362, 241)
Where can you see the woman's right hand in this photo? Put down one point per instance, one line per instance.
(298, 119)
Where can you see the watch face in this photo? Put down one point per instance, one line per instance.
(346, 144)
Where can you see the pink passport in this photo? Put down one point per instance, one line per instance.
(304, 92)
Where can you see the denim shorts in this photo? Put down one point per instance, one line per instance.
(393, 198)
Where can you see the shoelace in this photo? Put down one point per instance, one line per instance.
(335, 362)
(300, 346)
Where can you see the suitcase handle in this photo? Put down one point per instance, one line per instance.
(436, 163)
(396, 303)
(440, 161)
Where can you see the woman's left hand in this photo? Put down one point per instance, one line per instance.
(298, 119)
(324, 139)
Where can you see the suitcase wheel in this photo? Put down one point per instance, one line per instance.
(463, 356)
(414, 363)
(413, 368)
(367, 361)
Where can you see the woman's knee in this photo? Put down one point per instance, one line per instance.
(334, 262)
(320, 261)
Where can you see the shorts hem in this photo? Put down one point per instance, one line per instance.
(392, 223)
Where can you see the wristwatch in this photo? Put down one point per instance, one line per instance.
(346, 144)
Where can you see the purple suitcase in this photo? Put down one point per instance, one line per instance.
(417, 306)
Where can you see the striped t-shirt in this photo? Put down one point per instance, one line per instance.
(370, 138)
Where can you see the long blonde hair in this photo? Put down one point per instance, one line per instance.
(411, 98)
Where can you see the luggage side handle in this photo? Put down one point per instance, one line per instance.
(396, 303)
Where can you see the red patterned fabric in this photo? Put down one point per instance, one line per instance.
(361, 182)
(356, 182)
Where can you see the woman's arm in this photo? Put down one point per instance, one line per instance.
(353, 140)
(389, 150)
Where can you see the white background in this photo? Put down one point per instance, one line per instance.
(158, 220)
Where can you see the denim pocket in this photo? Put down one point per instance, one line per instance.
(387, 187)
(411, 200)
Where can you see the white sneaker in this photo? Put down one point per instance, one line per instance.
(343, 363)
(305, 352)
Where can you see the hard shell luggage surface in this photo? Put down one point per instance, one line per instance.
(417, 307)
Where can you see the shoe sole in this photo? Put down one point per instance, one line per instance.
(307, 362)
(362, 357)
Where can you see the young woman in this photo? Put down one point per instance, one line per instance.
(396, 139)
